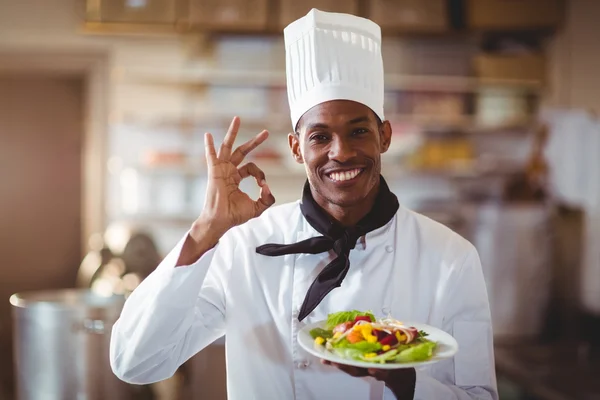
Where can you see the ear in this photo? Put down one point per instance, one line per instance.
(385, 136)
(294, 143)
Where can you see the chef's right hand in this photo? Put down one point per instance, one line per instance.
(226, 205)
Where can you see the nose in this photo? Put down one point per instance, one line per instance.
(341, 150)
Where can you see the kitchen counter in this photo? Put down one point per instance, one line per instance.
(548, 371)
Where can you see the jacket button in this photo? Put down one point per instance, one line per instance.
(303, 364)
(389, 249)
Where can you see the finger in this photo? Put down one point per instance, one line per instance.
(209, 146)
(350, 370)
(250, 169)
(241, 152)
(265, 200)
(227, 145)
(379, 374)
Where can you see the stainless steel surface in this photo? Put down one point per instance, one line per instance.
(62, 345)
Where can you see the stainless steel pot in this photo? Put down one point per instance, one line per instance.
(61, 341)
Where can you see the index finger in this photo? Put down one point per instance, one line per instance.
(241, 152)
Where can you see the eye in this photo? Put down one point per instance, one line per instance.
(318, 137)
(360, 131)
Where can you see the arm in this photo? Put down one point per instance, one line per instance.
(173, 314)
(180, 308)
(471, 373)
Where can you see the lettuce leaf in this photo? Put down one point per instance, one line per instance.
(364, 347)
(382, 358)
(319, 332)
(420, 352)
(347, 353)
(337, 318)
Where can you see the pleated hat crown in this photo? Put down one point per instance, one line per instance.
(333, 56)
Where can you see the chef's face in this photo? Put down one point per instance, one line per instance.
(341, 142)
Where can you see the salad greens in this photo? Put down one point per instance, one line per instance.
(360, 336)
(337, 318)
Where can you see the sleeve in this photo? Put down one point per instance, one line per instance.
(471, 373)
(173, 314)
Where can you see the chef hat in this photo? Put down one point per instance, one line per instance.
(333, 56)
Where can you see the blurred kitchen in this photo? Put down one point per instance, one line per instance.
(103, 106)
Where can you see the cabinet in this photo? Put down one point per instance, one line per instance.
(291, 10)
(523, 67)
(132, 11)
(514, 14)
(409, 15)
(229, 15)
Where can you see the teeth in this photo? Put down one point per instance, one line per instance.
(344, 176)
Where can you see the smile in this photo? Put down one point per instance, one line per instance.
(341, 176)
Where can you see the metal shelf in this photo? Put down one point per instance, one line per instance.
(277, 79)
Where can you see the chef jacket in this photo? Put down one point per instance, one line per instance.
(413, 268)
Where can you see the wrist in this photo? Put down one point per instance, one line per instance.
(207, 231)
(201, 238)
(402, 383)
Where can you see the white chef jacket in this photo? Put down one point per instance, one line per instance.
(414, 268)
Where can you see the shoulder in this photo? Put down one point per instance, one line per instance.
(435, 238)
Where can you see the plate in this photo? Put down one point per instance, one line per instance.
(446, 348)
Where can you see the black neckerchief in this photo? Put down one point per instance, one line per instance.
(335, 237)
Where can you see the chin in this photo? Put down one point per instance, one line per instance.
(345, 201)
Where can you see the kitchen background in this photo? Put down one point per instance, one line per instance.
(103, 106)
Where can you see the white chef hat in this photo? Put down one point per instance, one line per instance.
(333, 56)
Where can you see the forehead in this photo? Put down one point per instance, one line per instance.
(335, 112)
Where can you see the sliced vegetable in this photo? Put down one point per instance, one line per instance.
(365, 347)
(358, 335)
(389, 340)
(420, 352)
(355, 337)
(343, 327)
(320, 332)
(382, 358)
(344, 316)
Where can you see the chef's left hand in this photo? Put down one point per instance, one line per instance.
(400, 381)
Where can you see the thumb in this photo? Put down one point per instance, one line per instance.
(265, 200)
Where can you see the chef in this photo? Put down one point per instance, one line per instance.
(258, 273)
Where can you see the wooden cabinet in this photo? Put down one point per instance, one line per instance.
(519, 67)
(291, 10)
(132, 11)
(409, 15)
(271, 16)
(229, 15)
(514, 14)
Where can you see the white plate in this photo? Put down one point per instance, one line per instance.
(446, 347)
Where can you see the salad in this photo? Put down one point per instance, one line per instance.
(360, 336)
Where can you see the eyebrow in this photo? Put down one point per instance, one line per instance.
(317, 126)
(359, 119)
